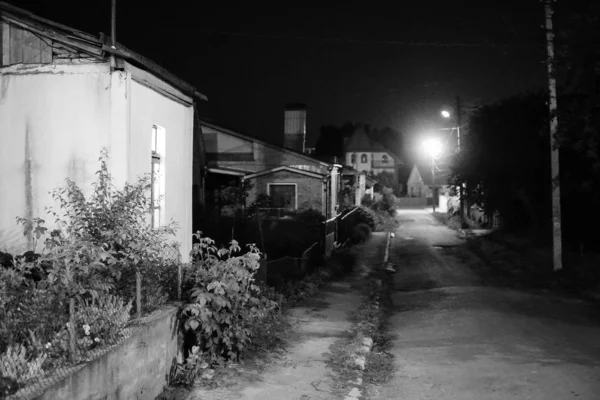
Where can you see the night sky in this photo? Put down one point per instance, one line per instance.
(386, 64)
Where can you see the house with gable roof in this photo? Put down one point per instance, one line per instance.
(66, 95)
(293, 180)
(366, 155)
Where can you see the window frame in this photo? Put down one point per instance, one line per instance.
(295, 185)
(157, 148)
(364, 158)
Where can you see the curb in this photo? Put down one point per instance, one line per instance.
(367, 343)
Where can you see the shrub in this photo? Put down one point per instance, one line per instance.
(367, 200)
(223, 301)
(91, 258)
(360, 233)
(16, 364)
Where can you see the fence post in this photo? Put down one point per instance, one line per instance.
(138, 293)
(72, 330)
(179, 280)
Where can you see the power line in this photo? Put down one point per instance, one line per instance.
(381, 42)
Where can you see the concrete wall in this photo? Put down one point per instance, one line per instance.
(309, 190)
(54, 121)
(137, 368)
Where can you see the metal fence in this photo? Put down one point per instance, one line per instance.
(346, 224)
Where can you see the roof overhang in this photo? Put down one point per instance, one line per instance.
(284, 168)
(226, 171)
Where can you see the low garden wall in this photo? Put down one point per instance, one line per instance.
(138, 367)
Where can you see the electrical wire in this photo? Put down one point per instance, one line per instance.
(373, 42)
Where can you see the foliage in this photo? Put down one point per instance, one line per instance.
(388, 180)
(262, 201)
(15, 363)
(515, 128)
(223, 301)
(360, 233)
(367, 200)
(102, 320)
(100, 243)
(387, 203)
(232, 197)
(193, 365)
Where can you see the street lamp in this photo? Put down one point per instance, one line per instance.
(448, 114)
(462, 186)
(433, 148)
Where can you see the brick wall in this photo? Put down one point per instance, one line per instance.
(309, 190)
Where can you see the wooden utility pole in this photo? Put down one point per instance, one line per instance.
(555, 170)
(461, 191)
(113, 24)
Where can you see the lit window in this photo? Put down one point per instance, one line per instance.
(384, 159)
(157, 175)
(283, 195)
(363, 159)
(353, 159)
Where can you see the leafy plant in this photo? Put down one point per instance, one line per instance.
(224, 300)
(16, 364)
(186, 372)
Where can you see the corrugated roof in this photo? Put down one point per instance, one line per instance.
(91, 45)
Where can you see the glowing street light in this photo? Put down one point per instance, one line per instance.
(446, 114)
(433, 147)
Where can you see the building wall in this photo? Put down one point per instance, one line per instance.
(309, 190)
(54, 121)
(148, 108)
(373, 163)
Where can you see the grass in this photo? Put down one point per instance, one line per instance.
(369, 320)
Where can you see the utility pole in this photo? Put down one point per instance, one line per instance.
(433, 195)
(461, 191)
(113, 24)
(555, 170)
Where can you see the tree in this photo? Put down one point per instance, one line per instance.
(387, 180)
(505, 158)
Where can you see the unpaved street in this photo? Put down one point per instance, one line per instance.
(458, 335)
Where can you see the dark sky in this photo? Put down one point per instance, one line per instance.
(394, 64)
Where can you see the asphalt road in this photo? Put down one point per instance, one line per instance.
(458, 335)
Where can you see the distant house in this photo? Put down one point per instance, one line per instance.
(420, 181)
(364, 154)
(67, 94)
(293, 180)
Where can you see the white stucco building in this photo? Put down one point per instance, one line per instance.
(64, 95)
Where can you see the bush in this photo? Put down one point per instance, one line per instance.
(224, 302)
(92, 258)
(367, 200)
(361, 233)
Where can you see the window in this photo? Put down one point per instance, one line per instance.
(364, 159)
(384, 159)
(283, 195)
(353, 159)
(157, 175)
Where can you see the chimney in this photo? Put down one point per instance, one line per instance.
(294, 131)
